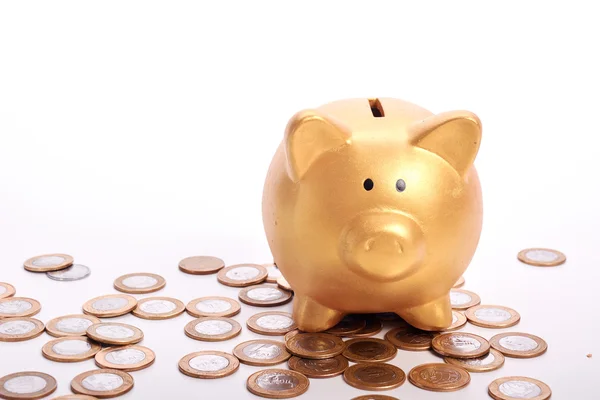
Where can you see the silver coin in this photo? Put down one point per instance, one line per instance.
(114, 331)
(48, 261)
(73, 273)
(71, 347)
(213, 306)
(25, 384)
(541, 255)
(462, 343)
(480, 361)
(125, 357)
(157, 306)
(277, 381)
(520, 389)
(16, 327)
(274, 321)
(265, 294)
(518, 343)
(242, 273)
(102, 382)
(213, 327)
(459, 298)
(261, 351)
(73, 325)
(208, 363)
(109, 304)
(140, 281)
(14, 306)
(492, 314)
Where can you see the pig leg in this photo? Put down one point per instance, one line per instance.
(311, 316)
(433, 316)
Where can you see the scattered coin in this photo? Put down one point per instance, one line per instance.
(18, 329)
(459, 283)
(201, 265)
(139, 283)
(48, 262)
(208, 364)
(241, 275)
(519, 387)
(212, 329)
(73, 273)
(519, 345)
(374, 397)
(70, 349)
(542, 257)
(410, 338)
(112, 305)
(114, 333)
(158, 308)
(325, 368)
(374, 376)
(462, 299)
(27, 385)
(439, 377)
(373, 326)
(71, 325)
(261, 352)
(264, 295)
(19, 307)
(213, 306)
(284, 284)
(490, 362)
(460, 345)
(492, 316)
(347, 326)
(6, 290)
(277, 383)
(458, 321)
(127, 358)
(369, 350)
(315, 346)
(102, 383)
(271, 323)
(273, 273)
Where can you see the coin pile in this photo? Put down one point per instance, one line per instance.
(59, 267)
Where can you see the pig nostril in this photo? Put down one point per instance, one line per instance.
(368, 184)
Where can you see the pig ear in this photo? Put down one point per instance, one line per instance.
(455, 136)
(307, 136)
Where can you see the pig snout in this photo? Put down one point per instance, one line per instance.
(382, 246)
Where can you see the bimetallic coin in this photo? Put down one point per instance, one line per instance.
(374, 397)
(128, 358)
(115, 333)
(458, 321)
(73, 273)
(112, 305)
(213, 306)
(325, 368)
(490, 362)
(139, 283)
(261, 352)
(208, 364)
(374, 376)
(369, 350)
(6, 290)
(315, 346)
(348, 325)
(492, 316)
(264, 295)
(212, 329)
(26, 385)
(459, 283)
(540, 257)
(462, 299)
(70, 349)
(19, 307)
(277, 383)
(439, 377)
(291, 334)
(519, 387)
(48, 262)
(102, 383)
(410, 338)
(460, 345)
(201, 265)
(519, 345)
(273, 273)
(71, 325)
(284, 284)
(272, 323)
(156, 308)
(18, 329)
(373, 327)
(242, 275)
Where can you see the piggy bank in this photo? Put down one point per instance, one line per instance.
(374, 205)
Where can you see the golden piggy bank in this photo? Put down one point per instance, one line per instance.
(374, 205)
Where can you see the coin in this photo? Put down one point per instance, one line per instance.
(369, 350)
(374, 376)
(439, 377)
(272, 323)
(458, 321)
(201, 265)
(519, 345)
(102, 383)
(273, 272)
(374, 397)
(492, 316)
(410, 338)
(241, 275)
(212, 329)
(460, 345)
(519, 387)
(26, 385)
(73, 273)
(115, 333)
(18, 329)
(284, 284)
(459, 283)
(127, 358)
(112, 305)
(158, 308)
(19, 307)
(6, 290)
(490, 362)
(291, 334)
(348, 325)
(139, 283)
(71, 325)
(70, 349)
(373, 326)
(542, 257)
(48, 262)
(213, 306)
(261, 352)
(315, 346)
(462, 299)
(277, 383)
(75, 397)
(325, 368)
(208, 364)
(264, 295)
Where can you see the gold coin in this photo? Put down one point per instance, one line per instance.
(374, 397)
(212, 329)
(102, 383)
(458, 321)
(316, 346)
(374, 376)
(70, 325)
(272, 323)
(70, 349)
(490, 362)
(369, 350)
(125, 358)
(19, 307)
(459, 283)
(439, 377)
(26, 385)
(261, 352)
(208, 364)
(48, 262)
(541, 257)
(347, 326)
(156, 308)
(213, 306)
(114, 333)
(75, 397)
(492, 316)
(264, 295)
(242, 275)
(284, 284)
(277, 383)
(460, 345)
(519, 345)
(291, 334)
(18, 329)
(201, 265)
(462, 299)
(273, 273)
(373, 327)
(139, 283)
(112, 305)
(410, 338)
(6, 290)
(519, 387)
(325, 368)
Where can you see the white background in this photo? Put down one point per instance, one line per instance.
(134, 134)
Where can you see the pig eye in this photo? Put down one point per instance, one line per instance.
(400, 185)
(368, 184)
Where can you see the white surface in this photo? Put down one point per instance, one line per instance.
(133, 135)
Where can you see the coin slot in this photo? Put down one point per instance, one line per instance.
(376, 108)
